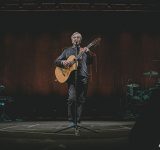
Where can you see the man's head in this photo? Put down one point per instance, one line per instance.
(76, 38)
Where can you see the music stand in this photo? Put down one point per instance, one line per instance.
(75, 125)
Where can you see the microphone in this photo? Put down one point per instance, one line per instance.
(76, 43)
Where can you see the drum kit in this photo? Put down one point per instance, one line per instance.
(140, 95)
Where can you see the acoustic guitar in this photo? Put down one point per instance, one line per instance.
(62, 74)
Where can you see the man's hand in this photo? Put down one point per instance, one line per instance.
(85, 49)
(66, 63)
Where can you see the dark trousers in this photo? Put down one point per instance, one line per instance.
(77, 93)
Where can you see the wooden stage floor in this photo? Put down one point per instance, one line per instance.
(40, 135)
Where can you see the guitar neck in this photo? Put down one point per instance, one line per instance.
(96, 41)
(80, 54)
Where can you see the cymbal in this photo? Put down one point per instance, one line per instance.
(2, 86)
(151, 73)
(132, 85)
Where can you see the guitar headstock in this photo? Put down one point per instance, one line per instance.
(95, 42)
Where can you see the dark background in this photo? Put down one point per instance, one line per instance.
(31, 41)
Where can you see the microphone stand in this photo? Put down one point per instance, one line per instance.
(76, 126)
(75, 84)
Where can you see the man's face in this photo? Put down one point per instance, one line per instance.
(76, 39)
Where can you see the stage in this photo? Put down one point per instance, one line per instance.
(123, 79)
(40, 135)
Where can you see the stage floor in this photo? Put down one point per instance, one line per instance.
(40, 135)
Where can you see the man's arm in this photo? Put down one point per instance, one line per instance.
(89, 54)
(59, 61)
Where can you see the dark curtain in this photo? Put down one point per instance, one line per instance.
(30, 42)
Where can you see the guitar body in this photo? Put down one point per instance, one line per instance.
(62, 74)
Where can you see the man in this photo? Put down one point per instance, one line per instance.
(77, 91)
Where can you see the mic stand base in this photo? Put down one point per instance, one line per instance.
(76, 129)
